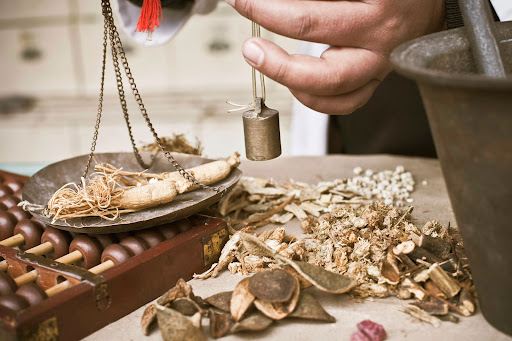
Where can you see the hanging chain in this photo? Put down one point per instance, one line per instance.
(118, 51)
(100, 104)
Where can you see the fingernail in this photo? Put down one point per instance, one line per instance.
(253, 54)
(231, 3)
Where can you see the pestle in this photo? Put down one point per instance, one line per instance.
(479, 24)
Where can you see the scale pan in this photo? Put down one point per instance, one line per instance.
(42, 185)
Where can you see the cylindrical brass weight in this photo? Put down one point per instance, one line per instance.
(262, 137)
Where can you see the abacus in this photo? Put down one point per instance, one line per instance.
(60, 285)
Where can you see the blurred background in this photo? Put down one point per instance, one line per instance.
(51, 67)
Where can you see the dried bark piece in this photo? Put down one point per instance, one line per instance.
(185, 306)
(278, 311)
(297, 211)
(176, 327)
(274, 286)
(181, 289)
(436, 246)
(446, 283)
(449, 318)
(422, 315)
(433, 289)
(241, 299)
(374, 331)
(415, 289)
(466, 300)
(254, 322)
(220, 324)
(309, 308)
(221, 300)
(148, 318)
(433, 308)
(389, 270)
(415, 252)
(322, 279)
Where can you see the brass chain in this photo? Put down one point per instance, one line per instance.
(118, 51)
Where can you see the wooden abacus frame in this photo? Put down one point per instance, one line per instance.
(75, 313)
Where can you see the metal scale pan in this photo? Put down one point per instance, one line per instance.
(42, 185)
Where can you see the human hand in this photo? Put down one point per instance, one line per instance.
(362, 34)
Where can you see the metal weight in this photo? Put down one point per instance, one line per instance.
(261, 131)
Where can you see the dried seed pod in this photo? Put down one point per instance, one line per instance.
(304, 283)
(176, 327)
(278, 311)
(148, 318)
(181, 289)
(220, 324)
(241, 299)
(254, 322)
(185, 306)
(309, 308)
(274, 286)
(221, 300)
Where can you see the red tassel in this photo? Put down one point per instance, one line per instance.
(150, 16)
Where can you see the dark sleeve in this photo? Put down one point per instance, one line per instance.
(453, 15)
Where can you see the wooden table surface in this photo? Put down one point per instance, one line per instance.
(430, 202)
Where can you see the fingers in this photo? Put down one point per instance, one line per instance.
(339, 70)
(329, 22)
(340, 104)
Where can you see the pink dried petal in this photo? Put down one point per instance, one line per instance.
(374, 331)
(359, 336)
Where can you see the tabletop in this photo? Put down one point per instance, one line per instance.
(430, 202)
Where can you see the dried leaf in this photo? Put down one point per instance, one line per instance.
(241, 299)
(254, 322)
(274, 286)
(176, 327)
(221, 300)
(148, 318)
(278, 311)
(220, 324)
(309, 308)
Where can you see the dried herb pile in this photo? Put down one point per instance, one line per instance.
(347, 232)
(178, 143)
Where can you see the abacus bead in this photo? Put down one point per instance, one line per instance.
(150, 238)
(168, 231)
(18, 194)
(89, 248)
(60, 241)
(7, 224)
(19, 213)
(134, 245)
(3, 207)
(1, 178)
(105, 240)
(32, 293)
(9, 201)
(14, 302)
(14, 184)
(183, 224)
(7, 284)
(5, 190)
(31, 232)
(116, 253)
